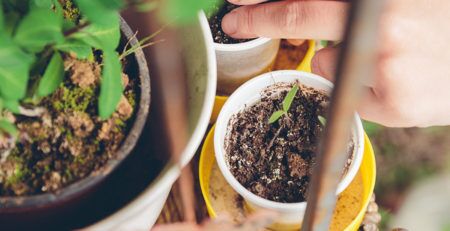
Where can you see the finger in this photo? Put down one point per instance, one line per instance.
(260, 220)
(296, 42)
(177, 227)
(324, 62)
(246, 2)
(372, 108)
(288, 19)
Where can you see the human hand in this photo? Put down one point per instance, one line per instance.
(254, 222)
(413, 71)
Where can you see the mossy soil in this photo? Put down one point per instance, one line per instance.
(65, 140)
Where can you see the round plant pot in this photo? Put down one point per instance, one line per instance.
(237, 63)
(197, 49)
(47, 209)
(249, 94)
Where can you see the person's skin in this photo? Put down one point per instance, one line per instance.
(412, 85)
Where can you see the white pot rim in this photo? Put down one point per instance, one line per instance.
(242, 46)
(162, 185)
(236, 103)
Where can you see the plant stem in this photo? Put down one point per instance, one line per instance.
(273, 140)
(76, 29)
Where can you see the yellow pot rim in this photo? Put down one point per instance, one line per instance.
(367, 170)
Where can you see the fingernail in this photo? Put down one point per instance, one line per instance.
(230, 23)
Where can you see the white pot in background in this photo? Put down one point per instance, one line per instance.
(237, 63)
(249, 94)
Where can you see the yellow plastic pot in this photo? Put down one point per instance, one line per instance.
(364, 186)
(367, 173)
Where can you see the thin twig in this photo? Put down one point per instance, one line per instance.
(76, 29)
(129, 41)
(273, 140)
(35, 112)
(133, 48)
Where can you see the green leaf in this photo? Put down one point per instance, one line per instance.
(2, 18)
(12, 106)
(10, 21)
(275, 116)
(322, 120)
(80, 49)
(53, 76)
(8, 127)
(106, 37)
(68, 24)
(14, 69)
(112, 4)
(45, 4)
(100, 12)
(146, 6)
(40, 27)
(58, 8)
(289, 98)
(111, 85)
(16, 5)
(185, 11)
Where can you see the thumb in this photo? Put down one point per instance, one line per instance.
(324, 62)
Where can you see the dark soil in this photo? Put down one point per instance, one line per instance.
(275, 160)
(215, 23)
(66, 141)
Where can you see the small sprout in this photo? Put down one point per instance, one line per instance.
(275, 116)
(287, 102)
(289, 98)
(322, 120)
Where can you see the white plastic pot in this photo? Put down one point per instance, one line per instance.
(249, 94)
(142, 212)
(237, 63)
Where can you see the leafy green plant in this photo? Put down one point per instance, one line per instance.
(35, 35)
(286, 104)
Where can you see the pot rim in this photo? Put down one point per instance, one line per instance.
(242, 46)
(237, 102)
(13, 204)
(162, 184)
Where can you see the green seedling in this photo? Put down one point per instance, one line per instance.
(287, 102)
(322, 120)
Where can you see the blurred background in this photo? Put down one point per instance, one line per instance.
(406, 158)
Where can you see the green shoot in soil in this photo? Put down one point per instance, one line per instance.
(287, 102)
(322, 120)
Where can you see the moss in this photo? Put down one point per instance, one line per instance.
(69, 135)
(119, 122)
(71, 12)
(79, 159)
(40, 137)
(20, 172)
(76, 99)
(131, 97)
(68, 174)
